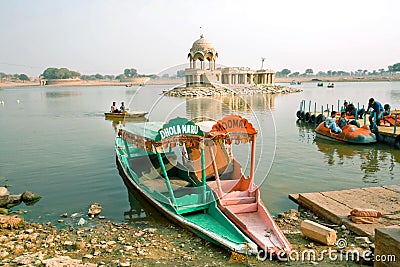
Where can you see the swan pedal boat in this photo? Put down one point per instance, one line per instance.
(350, 134)
(150, 157)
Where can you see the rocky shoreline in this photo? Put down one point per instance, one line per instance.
(99, 242)
(222, 91)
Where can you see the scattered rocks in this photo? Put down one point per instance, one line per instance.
(362, 239)
(13, 200)
(95, 209)
(66, 261)
(3, 196)
(11, 221)
(30, 198)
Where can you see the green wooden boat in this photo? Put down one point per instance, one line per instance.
(152, 161)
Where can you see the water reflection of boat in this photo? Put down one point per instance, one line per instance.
(151, 161)
(116, 122)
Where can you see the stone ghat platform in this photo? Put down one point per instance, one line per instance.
(335, 206)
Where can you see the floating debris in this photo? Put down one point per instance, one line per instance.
(81, 221)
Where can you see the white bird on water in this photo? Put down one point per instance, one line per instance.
(2, 102)
(18, 101)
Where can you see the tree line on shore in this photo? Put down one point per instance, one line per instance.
(64, 73)
(393, 69)
(13, 77)
(128, 74)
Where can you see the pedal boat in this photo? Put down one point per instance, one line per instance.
(350, 134)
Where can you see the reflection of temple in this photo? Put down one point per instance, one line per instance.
(201, 74)
(217, 107)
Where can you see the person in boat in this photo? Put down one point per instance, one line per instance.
(330, 122)
(122, 107)
(376, 112)
(350, 110)
(342, 120)
(114, 108)
(386, 110)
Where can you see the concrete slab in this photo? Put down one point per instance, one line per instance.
(335, 206)
(387, 247)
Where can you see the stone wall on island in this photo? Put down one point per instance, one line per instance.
(219, 90)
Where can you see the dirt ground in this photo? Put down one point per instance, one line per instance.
(154, 243)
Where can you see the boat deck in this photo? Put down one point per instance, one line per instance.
(336, 205)
(257, 227)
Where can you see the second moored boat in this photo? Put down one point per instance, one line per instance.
(239, 197)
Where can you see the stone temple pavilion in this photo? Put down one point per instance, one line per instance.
(203, 72)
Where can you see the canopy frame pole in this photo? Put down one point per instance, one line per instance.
(217, 180)
(203, 171)
(167, 182)
(252, 161)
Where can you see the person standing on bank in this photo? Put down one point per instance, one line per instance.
(377, 111)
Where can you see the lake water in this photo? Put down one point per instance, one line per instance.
(56, 142)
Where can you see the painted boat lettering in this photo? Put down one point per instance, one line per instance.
(179, 129)
(229, 124)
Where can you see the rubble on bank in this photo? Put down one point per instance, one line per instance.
(148, 243)
(222, 91)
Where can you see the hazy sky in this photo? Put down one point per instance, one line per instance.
(153, 35)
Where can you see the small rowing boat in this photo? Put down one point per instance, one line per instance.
(125, 114)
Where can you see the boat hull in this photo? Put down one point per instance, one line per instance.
(212, 217)
(131, 114)
(247, 211)
(350, 134)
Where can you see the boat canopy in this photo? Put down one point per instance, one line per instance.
(176, 131)
(232, 127)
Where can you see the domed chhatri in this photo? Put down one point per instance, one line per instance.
(202, 44)
(202, 50)
(201, 75)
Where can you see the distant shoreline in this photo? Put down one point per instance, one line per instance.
(166, 81)
(74, 83)
(375, 78)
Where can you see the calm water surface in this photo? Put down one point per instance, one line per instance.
(56, 142)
